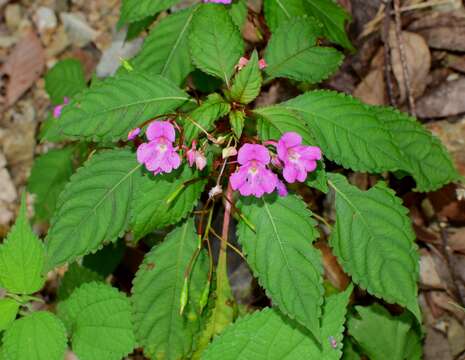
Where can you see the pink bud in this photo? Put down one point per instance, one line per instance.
(200, 160)
(262, 64)
(133, 133)
(243, 61)
(282, 190)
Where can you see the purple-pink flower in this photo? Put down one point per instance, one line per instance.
(253, 177)
(196, 156)
(57, 109)
(298, 159)
(159, 155)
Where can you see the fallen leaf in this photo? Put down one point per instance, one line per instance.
(333, 270)
(429, 275)
(442, 30)
(417, 62)
(372, 88)
(456, 63)
(456, 240)
(443, 101)
(456, 337)
(24, 66)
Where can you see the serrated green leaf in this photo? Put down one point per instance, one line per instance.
(107, 259)
(318, 179)
(135, 28)
(273, 121)
(49, 175)
(75, 276)
(333, 17)
(204, 117)
(373, 240)
(22, 257)
(349, 352)
(248, 81)
(236, 120)
(107, 112)
(422, 153)
(215, 41)
(166, 49)
(8, 310)
(40, 335)
(293, 52)
(372, 139)
(98, 318)
(270, 335)
(94, 207)
(150, 208)
(65, 79)
(383, 336)
(281, 255)
(134, 10)
(278, 12)
(160, 329)
(238, 12)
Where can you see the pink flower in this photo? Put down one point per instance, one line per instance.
(218, 1)
(133, 133)
(281, 188)
(298, 159)
(161, 129)
(253, 177)
(262, 64)
(57, 109)
(243, 61)
(196, 156)
(158, 156)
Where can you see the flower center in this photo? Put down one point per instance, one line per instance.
(293, 155)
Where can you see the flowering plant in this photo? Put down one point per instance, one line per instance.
(175, 143)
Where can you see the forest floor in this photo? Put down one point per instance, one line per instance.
(413, 59)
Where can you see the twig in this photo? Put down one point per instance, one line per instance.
(387, 53)
(403, 57)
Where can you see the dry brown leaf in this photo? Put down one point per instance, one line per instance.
(418, 62)
(456, 240)
(23, 66)
(429, 275)
(372, 88)
(442, 30)
(445, 100)
(333, 270)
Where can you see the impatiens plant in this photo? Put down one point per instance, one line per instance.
(173, 155)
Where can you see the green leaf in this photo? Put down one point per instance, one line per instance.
(333, 17)
(423, 154)
(22, 257)
(278, 12)
(374, 242)
(205, 116)
(134, 10)
(94, 207)
(238, 12)
(8, 310)
(236, 120)
(383, 336)
(160, 329)
(107, 259)
(38, 336)
(318, 179)
(75, 276)
(273, 121)
(270, 335)
(281, 255)
(49, 175)
(150, 208)
(371, 139)
(248, 81)
(65, 79)
(166, 49)
(293, 52)
(215, 41)
(135, 28)
(349, 352)
(98, 318)
(107, 112)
